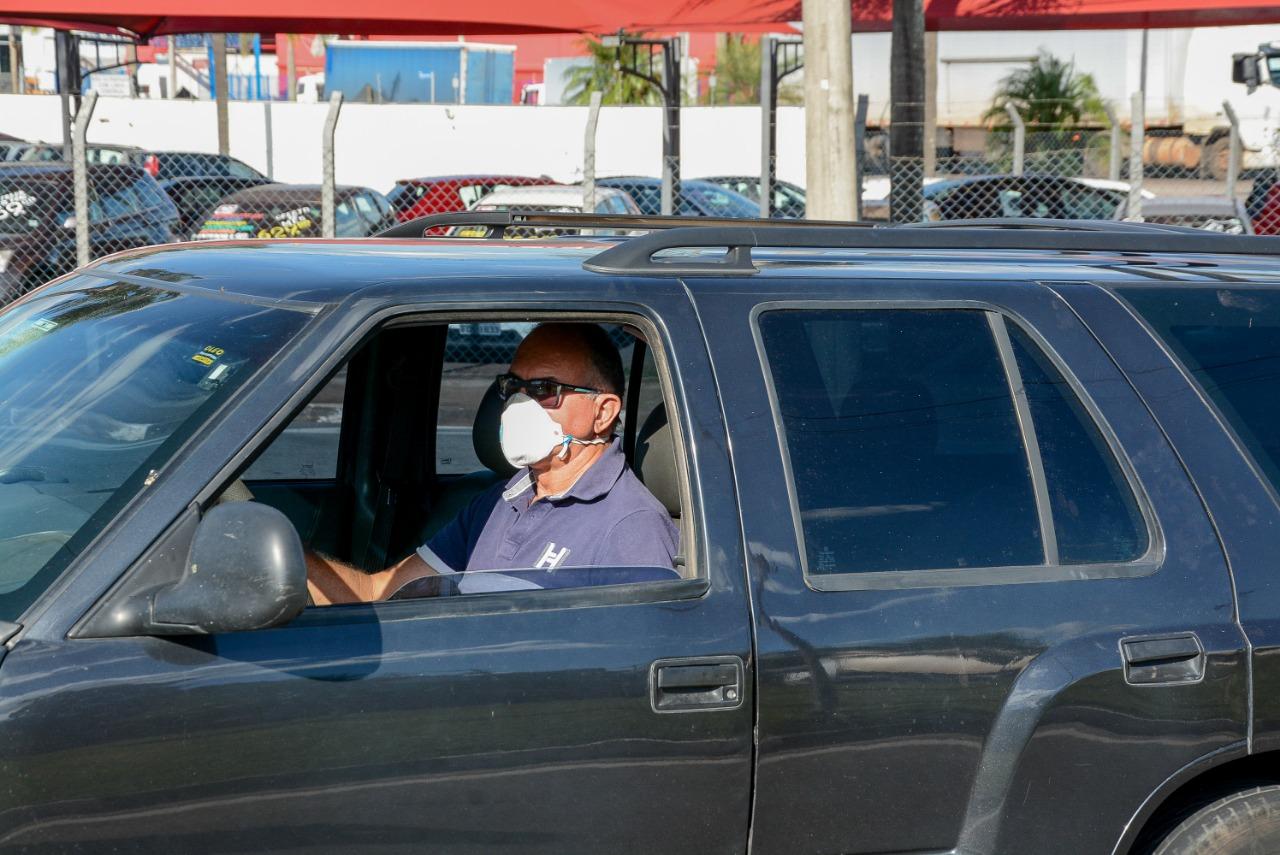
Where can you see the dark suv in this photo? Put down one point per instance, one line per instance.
(127, 209)
(978, 548)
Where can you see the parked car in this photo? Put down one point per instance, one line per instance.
(553, 198)
(293, 210)
(37, 219)
(788, 198)
(1038, 196)
(1263, 204)
(978, 538)
(420, 197)
(197, 197)
(697, 198)
(161, 164)
(1211, 213)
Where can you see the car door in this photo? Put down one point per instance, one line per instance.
(1005, 700)
(578, 720)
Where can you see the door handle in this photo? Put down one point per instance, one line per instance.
(690, 685)
(1163, 659)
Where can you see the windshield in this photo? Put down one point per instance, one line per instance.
(98, 387)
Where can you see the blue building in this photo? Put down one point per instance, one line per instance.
(420, 72)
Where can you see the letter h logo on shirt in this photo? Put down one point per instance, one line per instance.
(551, 559)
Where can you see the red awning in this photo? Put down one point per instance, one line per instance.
(450, 17)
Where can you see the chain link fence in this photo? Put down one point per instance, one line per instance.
(133, 197)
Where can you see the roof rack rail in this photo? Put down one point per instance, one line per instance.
(636, 256)
(497, 222)
(1046, 224)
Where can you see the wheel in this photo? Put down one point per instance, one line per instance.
(1244, 823)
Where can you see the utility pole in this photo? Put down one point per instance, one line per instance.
(291, 69)
(906, 116)
(220, 89)
(830, 161)
(15, 59)
(930, 104)
(67, 49)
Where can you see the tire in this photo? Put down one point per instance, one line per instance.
(1244, 823)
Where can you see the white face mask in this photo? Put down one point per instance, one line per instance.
(528, 434)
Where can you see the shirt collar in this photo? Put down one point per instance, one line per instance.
(595, 482)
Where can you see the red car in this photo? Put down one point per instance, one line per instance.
(420, 197)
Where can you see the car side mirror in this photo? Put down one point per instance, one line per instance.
(245, 570)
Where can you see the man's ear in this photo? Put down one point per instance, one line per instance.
(608, 407)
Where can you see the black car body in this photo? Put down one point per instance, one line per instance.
(978, 550)
(294, 210)
(161, 164)
(37, 206)
(197, 197)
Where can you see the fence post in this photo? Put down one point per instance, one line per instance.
(80, 176)
(271, 158)
(589, 154)
(1019, 137)
(859, 151)
(1136, 134)
(1233, 152)
(1113, 169)
(327, 187)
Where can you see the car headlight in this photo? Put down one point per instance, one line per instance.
(5, 255)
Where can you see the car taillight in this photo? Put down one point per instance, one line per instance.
(152, 164)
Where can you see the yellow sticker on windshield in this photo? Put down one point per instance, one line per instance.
(209, 355)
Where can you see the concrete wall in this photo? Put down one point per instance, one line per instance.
(379, 143)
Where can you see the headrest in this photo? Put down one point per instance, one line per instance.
(656, 460)
(484, 433)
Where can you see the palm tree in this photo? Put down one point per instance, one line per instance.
(604, 74)
(737, 74)
(1049, 95)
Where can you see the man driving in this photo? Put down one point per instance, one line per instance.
(574, 503)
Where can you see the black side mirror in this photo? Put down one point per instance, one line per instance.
(1244, 69)
(245, 570)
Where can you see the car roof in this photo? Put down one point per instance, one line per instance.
(1165, 206)
(649, 181)
(289, 194)
(547, 194)
(475, 178)
(55, 168)
(404, 270)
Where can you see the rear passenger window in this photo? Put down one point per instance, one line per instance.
(905, 436)
(1229, 339)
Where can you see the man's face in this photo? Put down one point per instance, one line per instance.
(580, 414)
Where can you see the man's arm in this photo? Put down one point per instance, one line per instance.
(330, 581)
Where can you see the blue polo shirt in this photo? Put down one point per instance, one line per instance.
(606, 529)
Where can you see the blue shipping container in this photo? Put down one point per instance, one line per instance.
(420, 72)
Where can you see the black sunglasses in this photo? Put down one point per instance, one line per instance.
(544, 390)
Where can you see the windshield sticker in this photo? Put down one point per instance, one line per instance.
(209, 355)
(44, 325)
(292, 223)
(215, 378)
(15, 204)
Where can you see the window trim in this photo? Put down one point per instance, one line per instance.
(998, 317)
(693, 546)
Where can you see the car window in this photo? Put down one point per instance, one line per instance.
(1229, 340)
(365, 207)
(236, 169)
(307, 450)
(1088, 203)
(905, 450)
(117, 199)
(469, 194)
(102, 384)
(347, 221)
(149, 194)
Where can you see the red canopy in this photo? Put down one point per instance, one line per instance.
(450, 17)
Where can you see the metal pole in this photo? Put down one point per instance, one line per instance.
(1019, 137)
(15, 60)
(80, 177)
(220, 89)
(271, 159)
(589, 154)
(859, 149)
(1233, 152)
(768, 124)
(257, 67)
(173, 66)
(930, 103)
(62, 50)
(291, 69)
(327, 205)
(671, 86)
(462, 71)
(1113, 168)
(1135, 157)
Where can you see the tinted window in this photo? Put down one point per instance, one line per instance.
(1095, 515)
(116, 200)
(903, 440)
(307, 450)
(102, 385)
(1229, 339)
